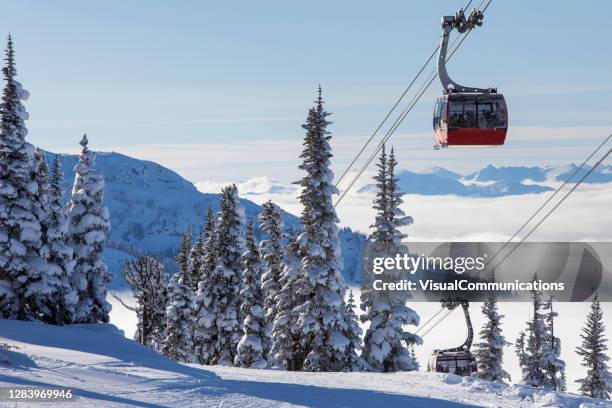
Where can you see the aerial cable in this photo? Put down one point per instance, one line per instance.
(430, 319)
(350, 166)
(386, 117)
(437, 323)
(430, 78)
(567, 180)
(545, 217)
(555, 207)
(402, 116)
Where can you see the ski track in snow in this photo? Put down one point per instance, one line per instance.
(106, 369)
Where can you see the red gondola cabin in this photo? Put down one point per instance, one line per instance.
(470, 119)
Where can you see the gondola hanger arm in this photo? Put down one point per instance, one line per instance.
(462, 24)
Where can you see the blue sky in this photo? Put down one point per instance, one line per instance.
(218, 90)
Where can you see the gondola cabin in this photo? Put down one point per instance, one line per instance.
(460, 363)
(470, 119)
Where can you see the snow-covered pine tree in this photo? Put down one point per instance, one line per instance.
(20, 230)
(598, 381)
(178, 343)
(40, 290)
(414, 357)
(271, 224)
(183, 257)
(521, 353)
(490, 351)
(353, 334)
(225, 278)
(88, 227)
(205, 329)
(56, 301)
(532, 372)
(148, 281)
(61, 255)
(209, 251)
(322, 319)
(384, 349)
(254, 344)
(196, 259)
(287, 351)
(552, 365)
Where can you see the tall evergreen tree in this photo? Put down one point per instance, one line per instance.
(196, 258)
(60, 255)
(178, 343)
(490, 352)
(598, 380)
(20, 230)
(271, 224)
(183, 257)
(322, 321)
(226, 277)
(287, 350)
(520, 351)
(353, 334)
(552, 365)
(254, 344)
(57, 298)
(209, 250)
(386, 342)
(532, 373)
(205, 329)
(88, 227)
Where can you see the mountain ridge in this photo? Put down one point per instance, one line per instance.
(150, 207)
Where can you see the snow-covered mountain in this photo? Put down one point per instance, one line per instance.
(151, 206)
(492, 181)
(104, 369)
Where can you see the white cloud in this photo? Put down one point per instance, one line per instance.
(582, 217)
(278, 158)
(264, 186)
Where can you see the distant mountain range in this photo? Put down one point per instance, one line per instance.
(151, 206)
(492, 181)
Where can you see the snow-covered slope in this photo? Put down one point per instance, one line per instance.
(104, 369)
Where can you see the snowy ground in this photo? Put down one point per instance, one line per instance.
(452, 331)
(106, 369)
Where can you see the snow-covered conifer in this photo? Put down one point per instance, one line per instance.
(271, 224)
(414, 356)
(532, 373)
(552, 365)
(521, 353)
(205, 329)
(598, 381)
(148, 280)
(490, 351)
(20, 230)
(225, 278)
(56, 303)
(386, 341)
(287, 351)
(254, 344)
(196, 259)
(322, 321)
(178, 343)
(209, 250)
(353, 334)
(183, 258)
(88, 227)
